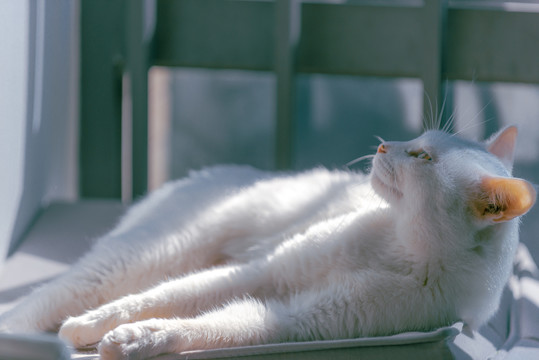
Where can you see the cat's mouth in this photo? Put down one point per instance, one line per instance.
(387, 191)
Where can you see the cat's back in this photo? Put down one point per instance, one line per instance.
(248, 201)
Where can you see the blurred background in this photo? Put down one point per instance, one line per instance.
(82, 82)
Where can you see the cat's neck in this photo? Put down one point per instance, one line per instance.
(423, 236)
(429, 240)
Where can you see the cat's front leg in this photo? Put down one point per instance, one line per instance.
(183, 297)
(311, 315)
(238, 324)
(306, 316)
(88, 329)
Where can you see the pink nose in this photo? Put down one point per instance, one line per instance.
(382, 149)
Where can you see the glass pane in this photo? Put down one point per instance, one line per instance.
(338, 117)
(480, 109)
(204, 117)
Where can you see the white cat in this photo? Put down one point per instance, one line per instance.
(233, 256)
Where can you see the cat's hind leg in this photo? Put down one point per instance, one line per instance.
(113, 268)
(157, 239)
(95, 279)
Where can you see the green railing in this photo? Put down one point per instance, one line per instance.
(433, 40)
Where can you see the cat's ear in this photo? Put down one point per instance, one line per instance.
(502, 199)
(502, 145)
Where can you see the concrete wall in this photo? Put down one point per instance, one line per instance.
(38, 109)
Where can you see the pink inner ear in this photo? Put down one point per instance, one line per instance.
(503, 146)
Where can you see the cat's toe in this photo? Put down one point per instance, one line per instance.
(131, 341)
(124, 334)
(111, 349)
(124, 342)
(81, 332)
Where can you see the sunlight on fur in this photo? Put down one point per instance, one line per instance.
(234, 256)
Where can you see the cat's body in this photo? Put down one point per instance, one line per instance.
(233, 256)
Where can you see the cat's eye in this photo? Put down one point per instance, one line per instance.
(420, 154)
(424, 155)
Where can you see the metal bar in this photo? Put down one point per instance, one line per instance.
(433, 62)
(214, 34)
(336, 38)
(137, 71)
(352, 39)
(494, 44)
(364, 40)
(100, 99)
(287, 34)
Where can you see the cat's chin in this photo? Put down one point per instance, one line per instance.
(389, 193)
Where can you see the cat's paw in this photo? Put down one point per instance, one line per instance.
(86, 330)
(134, 341)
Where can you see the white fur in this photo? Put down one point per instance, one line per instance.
(233, 256)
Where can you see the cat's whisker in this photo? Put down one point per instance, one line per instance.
(432, 115)
(466, 128)
(433, 119)
(379, 139)
(452, 122)
(482, 110)
(471, 124)
(361, 158)
(441, 114)
(448, 127)
(437, 116)
(428, 124)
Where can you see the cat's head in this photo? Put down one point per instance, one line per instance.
(457, 205)
(439, 172)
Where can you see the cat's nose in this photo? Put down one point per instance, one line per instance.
(382, 149)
